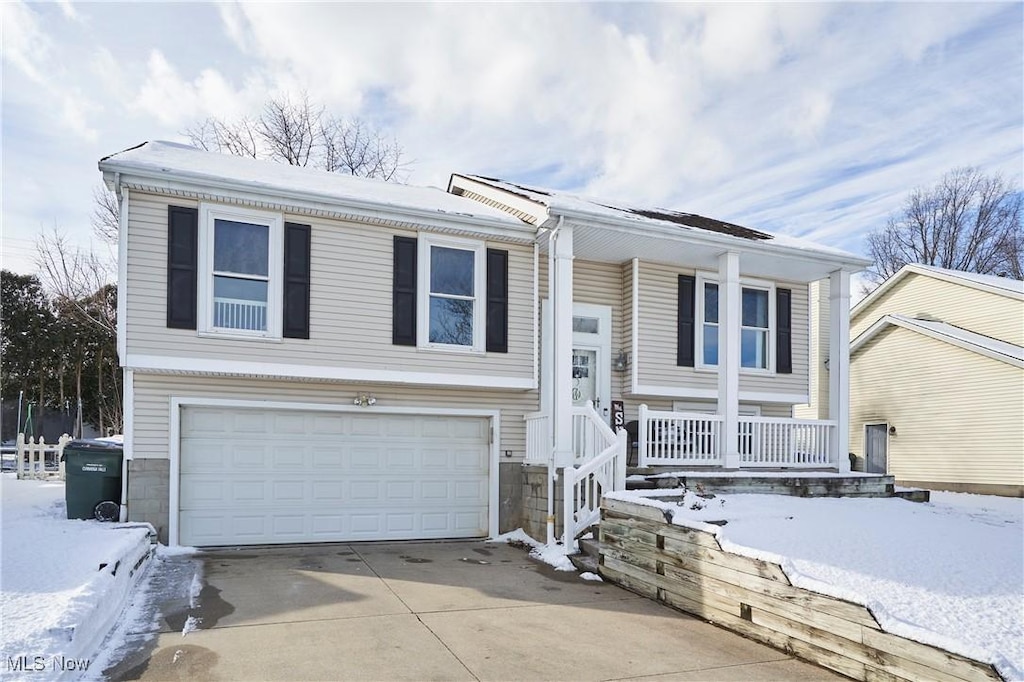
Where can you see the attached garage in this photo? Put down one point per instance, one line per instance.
(257, 475)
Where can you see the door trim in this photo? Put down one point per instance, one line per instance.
(174, 451)
(600, 342)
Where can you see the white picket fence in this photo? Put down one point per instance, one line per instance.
(40, 460)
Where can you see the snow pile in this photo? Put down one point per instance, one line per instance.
(552, 555)
(949, 573)
(63, 583)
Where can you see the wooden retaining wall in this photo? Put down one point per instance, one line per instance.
(688, 570)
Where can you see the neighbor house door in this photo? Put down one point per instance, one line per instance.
(876, 445)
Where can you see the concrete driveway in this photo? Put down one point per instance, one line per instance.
(424, 611)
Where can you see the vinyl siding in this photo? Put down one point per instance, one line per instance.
(350, 303)
(818, 344)
(1001, 317)
(959, 416)
(154, 391)
(598, 284)
(656, 363)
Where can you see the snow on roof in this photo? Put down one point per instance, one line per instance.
(173, 160)
(958, 336)
(1004, 283)
(559, 202)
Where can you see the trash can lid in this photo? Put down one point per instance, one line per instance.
(88, 445)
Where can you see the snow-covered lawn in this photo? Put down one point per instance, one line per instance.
(948, 573)
(63, 583)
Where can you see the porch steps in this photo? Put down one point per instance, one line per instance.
(913, 494)
(589, 556)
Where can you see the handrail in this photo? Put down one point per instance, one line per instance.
(595, 473)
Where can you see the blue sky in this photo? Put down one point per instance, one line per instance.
(808, 119)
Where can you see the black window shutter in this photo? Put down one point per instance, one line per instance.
(685, 326)
(296, 281)
(403, 293)
(497, 301)
(182, 266)
(783, 331)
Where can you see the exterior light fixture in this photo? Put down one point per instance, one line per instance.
(365, 400)
(621, 362)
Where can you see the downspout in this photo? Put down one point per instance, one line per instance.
(552, 475)
(127, 378)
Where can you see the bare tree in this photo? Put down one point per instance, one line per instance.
(968, 221)
(106, 214)
(301, 133)
(75, 278)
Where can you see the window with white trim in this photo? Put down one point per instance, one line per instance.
(757, 324)
(240, 276)
(451, 305)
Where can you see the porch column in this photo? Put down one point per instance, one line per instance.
(560, 286)
(839, 367)
(729, 306)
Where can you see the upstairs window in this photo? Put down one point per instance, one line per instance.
(452, 284)
(240, 272)
(710, 323)
(756, 325)
(755, 329)
(241, 275)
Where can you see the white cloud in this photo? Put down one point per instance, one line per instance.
(24, 43)
(813, 119)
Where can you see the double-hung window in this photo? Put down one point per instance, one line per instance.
(754, 332)
(240, 272)
(756, 324)
(451, 291)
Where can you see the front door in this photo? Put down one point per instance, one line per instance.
(876, 445)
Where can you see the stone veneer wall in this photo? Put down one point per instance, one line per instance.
(687, 569)
(149, 493)
(535, 502)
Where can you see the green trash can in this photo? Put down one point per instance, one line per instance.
(92, 479)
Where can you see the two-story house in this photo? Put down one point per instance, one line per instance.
(315, 357)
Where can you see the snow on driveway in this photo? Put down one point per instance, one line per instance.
(948, 573)
(63, 583)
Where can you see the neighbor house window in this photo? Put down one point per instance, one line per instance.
(240, 272)
(452, 274)
(756, 320)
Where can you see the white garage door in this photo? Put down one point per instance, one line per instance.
(256, 476)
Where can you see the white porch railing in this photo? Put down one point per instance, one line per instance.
(236, 313)
(600, 467)
(538, 438)
(679, 438)
(778, 442)
(33, 456)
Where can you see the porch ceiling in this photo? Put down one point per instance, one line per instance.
(769, 259)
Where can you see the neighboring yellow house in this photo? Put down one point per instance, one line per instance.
(936, 379)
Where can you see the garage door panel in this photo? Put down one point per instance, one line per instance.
(330, 477)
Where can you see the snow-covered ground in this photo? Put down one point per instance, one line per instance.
(63, 583)
(948, 573)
